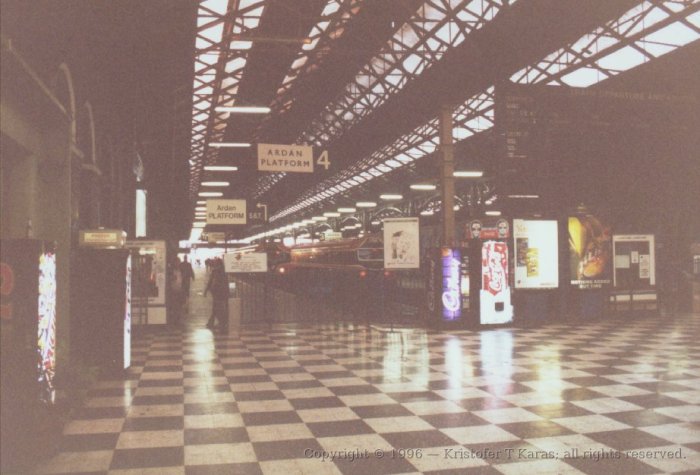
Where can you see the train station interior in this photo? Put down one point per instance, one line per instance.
(350, 237)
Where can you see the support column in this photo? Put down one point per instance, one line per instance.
(447, 181)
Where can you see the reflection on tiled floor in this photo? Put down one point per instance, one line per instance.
(608, 398)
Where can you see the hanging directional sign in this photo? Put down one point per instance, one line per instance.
(285, 158)
(226, 212)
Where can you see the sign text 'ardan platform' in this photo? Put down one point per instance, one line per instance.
(285, 158)
(226, 212)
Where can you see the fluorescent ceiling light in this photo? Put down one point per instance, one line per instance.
(307, 221)
(319, 218)
(201, 202)
(423, 187)
(200, 208)
(467, 174)
(198, 225)
(532, 197)
(215, 183)
(331, 214)
(229, 145)
(211, 193)
(346, 210)
(390, 197)
(243, 109)
(220, 168)
(493, 213)
(365, 204)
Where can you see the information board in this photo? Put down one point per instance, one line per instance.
(245, 262)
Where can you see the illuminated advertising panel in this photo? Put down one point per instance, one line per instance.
(495, 305)
(127, 316)
(536, 254)
(590, 252)
(451, 295)
(47, 323)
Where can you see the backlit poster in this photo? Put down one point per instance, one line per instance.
(495, 305)
(401, 243)
(590, 252)
(47, 324)
(536, 254)
(127, 316)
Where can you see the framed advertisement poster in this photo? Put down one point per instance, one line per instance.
(401, 243)
(590, 252)
(536, 254)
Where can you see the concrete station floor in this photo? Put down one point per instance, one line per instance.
(601, 398)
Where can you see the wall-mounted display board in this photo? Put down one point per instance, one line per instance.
(525, 112)
(635, 261)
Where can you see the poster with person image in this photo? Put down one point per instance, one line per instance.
(590, 252)
(488, 228)
(401, 243)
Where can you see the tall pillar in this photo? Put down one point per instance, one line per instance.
(447, 181)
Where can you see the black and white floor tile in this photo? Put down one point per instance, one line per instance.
(601, 398)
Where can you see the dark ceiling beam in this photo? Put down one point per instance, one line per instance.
(521, 35)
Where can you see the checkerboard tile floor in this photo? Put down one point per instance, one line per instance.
(601, 398)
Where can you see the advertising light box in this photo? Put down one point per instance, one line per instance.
(590, 252)
(536, 254)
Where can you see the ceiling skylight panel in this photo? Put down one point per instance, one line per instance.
(213, 33)
(676, 34)
(623, 59)
(217, 6)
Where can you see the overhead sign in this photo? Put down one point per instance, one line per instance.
(242, 262)
(257, 216)
(330, 236)
(401, 243)
(213, 238)
(226, 212)
(536, 254)
(285, 158)
(102, 238)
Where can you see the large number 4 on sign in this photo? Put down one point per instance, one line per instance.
(323, 160)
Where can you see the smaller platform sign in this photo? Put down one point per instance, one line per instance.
(226, 212)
